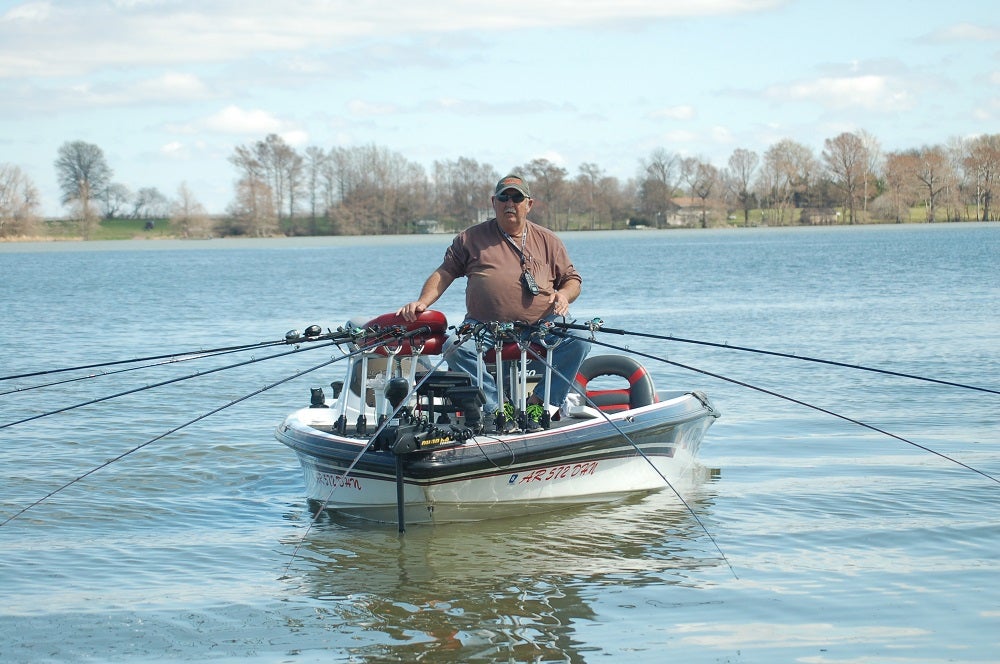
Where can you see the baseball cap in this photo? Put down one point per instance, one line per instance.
(512, 181)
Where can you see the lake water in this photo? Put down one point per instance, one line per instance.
(846, 545)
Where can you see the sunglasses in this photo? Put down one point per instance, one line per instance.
(517, 198)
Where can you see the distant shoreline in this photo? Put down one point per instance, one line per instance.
(166, 243)
(140, 238)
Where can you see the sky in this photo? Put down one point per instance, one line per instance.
(169, 88)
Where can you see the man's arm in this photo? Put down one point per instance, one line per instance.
(561, 298)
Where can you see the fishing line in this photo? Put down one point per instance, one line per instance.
(164, 435)
(362, 349)
(378, 339)
(262, 344)
(575, 387)
(598, 325)
(801, 403)
(172, 360)
(164, 382)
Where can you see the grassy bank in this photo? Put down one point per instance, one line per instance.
(159, 229)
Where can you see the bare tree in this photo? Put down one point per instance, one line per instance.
(933, 171)
(587, 181)
(283, 169)
(550, 191)
(19, 205)
(187, 215)
(742, 169)
(616, 200)
(316, 162)
(847, 163)
(149, 203)
(703, 178)
(873, 159)
(380, 191)
(295, 179)
(461, 188)
(115, 198)
(253, 210)
(659, 175)
(83, 174)
(787, 174)
(901, 184)
(982, 163)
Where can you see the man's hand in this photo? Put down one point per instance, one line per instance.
(559, 303)
(412, 311)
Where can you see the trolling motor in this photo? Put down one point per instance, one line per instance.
(397, 437)
(317, 399)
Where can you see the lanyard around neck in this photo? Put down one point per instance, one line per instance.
(510, 240)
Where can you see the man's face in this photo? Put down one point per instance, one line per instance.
(511, 207)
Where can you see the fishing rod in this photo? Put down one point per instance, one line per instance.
(203, 416)
(541, 332)
(795, 401)
(598, 325)
(330, 339)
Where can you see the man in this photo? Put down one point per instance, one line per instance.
(516, 271)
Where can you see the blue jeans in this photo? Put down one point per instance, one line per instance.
(565, 358)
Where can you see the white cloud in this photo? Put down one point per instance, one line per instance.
(28, 12)
(172, 148)
(963, 32)
(552, 156)
(682, 112)
(235, 120)
(63, 37)
(364, 108)
(295, 137)
(680, 136)
(170, 86)
(871, 92)
(175, 150)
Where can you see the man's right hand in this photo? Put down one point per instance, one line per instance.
(412, 311)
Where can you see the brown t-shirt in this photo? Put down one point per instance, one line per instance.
(492, 266)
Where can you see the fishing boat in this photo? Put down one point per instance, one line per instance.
(403, 440)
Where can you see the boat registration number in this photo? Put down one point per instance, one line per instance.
(336, 481)
(555, 473)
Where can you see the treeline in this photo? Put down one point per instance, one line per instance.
(279, 190)
(372, 190)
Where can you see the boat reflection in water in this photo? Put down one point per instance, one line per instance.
(511, 588)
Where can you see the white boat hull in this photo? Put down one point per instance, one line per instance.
(577, 462)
